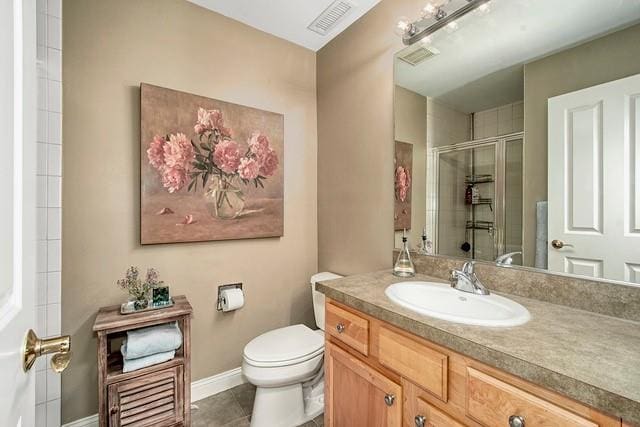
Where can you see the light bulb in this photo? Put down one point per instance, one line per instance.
(402, 26)
(484, 8)
(429, 10)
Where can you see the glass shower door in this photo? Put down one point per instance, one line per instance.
(453, 166)
(466, 202)
(513, 211)
(481, 210)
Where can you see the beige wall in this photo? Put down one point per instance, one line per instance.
(355, 141)
(109, 48)
(608, 58)
(410, 111)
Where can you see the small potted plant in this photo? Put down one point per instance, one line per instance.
(138, 289)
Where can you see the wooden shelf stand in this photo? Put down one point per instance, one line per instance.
(158, 395)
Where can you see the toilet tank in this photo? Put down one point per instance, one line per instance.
(318, 298)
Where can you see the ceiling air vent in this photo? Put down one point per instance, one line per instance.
(330, 17)
(415, 55)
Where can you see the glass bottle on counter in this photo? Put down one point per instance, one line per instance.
(404, 266)
(426, 247)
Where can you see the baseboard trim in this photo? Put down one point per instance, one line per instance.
(91, 421)
(206, 387)
(200, 389)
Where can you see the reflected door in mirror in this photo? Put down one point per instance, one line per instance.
(594, 196)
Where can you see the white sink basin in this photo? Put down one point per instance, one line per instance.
(441, 301)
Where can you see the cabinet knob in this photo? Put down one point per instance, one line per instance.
(389, 399)
(113, 410)
(340, 328)
(516, 421)
(420, 420)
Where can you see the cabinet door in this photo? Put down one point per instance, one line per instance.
(358, 395)
(153, 399)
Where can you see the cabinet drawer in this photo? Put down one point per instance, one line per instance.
(349, 328)
(153, 399)
(432, 416)
(415, 361)
(492, 401)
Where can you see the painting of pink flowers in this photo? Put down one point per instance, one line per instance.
(402, 185)
(210, 170)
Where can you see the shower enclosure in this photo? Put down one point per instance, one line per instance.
(475, 198)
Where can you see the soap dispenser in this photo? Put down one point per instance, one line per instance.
(426, 247)
(404, 266)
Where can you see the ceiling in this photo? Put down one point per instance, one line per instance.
(479, 65)
(287, 19)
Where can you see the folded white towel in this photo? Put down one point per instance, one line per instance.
(151, 340)
(143, 362)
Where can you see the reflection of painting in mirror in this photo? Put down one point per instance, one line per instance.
(491, 135)
(210, 170)
(402, 184)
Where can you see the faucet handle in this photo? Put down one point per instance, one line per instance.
(453, 278)
(469, 267)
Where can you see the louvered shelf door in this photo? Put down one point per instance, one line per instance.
(155, 399)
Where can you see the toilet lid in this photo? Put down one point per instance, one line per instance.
(292, 344)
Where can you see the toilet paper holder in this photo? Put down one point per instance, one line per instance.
(224, 287)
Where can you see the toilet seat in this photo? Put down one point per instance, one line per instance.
(286, 346)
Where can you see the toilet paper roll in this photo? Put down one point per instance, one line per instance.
(232, 299)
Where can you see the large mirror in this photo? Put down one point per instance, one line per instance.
(517, 136)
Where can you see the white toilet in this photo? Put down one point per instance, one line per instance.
(286, 366)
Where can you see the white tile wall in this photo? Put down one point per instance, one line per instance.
(446, 126)
(499, 121)
(49, 216)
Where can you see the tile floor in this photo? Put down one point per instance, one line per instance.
(232, 408)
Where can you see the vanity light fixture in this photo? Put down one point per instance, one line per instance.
(434, 16)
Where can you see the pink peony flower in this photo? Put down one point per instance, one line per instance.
(259, 144)
(268, 163)
(155, 153)
(249, 168)
(172, 159)
(178, 152)
(403, 183)
(267, 158)
(208, 120)
(227, 156)
(174, 179)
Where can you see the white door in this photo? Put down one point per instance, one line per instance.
(594, 181)
(17, 211)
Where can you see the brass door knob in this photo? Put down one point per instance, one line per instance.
(35, 347)
(559, 244)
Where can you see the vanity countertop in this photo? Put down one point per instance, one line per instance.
(589, 357)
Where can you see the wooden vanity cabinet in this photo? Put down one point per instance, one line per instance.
(389, 377)
(358, 395)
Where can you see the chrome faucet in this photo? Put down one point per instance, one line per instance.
(507, 259)
(465, 280)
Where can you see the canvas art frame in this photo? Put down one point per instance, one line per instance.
(210, 170)
(403, 170)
